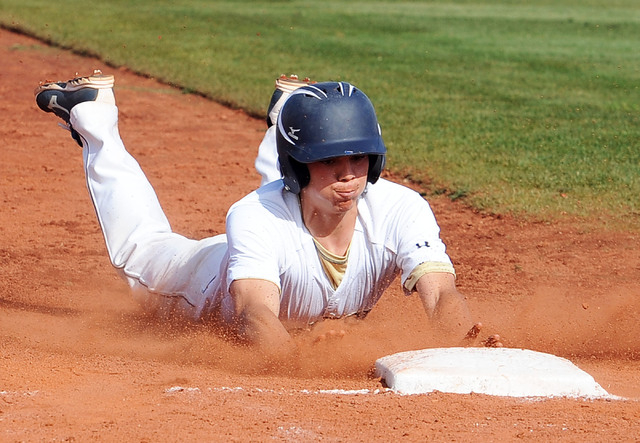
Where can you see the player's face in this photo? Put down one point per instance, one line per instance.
(336, 184)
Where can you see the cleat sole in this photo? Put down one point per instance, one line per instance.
(96, 81)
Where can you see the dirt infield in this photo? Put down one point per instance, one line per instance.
(80, 361)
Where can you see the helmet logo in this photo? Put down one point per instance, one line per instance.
(292, 133)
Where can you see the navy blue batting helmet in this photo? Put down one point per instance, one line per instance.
(323, 121)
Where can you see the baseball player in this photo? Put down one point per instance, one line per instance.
(322, 242)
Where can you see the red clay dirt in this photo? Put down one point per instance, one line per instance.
(80, 361)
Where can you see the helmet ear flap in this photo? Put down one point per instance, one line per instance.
(295, 174)
(302, 172)
(376, 165)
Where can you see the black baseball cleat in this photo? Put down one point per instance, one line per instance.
(61, 97)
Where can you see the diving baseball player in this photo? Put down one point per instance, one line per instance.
(325, 241)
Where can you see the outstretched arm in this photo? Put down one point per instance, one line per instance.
(256, 306)
(448, 310)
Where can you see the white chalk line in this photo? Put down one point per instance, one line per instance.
(188, 390)
(194, 390)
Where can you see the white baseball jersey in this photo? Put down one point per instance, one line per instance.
(266, 239)
(395, 232)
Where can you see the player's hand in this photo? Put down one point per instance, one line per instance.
(325, 332)
(493, 341)
(329, 336)
(472, 334)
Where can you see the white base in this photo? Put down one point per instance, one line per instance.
(493, 371)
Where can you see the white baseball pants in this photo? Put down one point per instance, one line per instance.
(266, 162)
(168, 273)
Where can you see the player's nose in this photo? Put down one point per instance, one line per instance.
(345, 168)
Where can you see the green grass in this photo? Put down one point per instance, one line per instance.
(515, 106)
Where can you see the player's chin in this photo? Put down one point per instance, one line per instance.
(344, 204)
